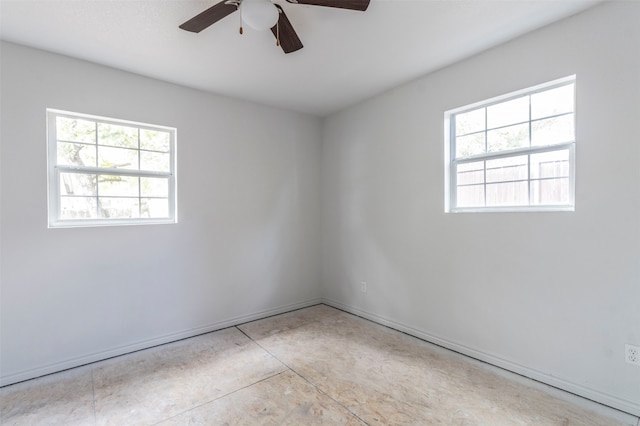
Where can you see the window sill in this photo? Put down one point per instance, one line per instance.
(513, 209)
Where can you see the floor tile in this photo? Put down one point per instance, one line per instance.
(285, 399)
(387, 377)
(149, 386)
(64, 398)
(317, 365)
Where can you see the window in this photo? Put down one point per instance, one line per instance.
(104, 171)
(515, 152)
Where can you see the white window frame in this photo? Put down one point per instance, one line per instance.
(451, 162)
(54, 170)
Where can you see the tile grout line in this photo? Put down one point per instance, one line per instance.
(216, 399)
(304, 378)
(329, 396)
(199, 405)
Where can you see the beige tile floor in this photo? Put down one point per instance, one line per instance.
(317, 365)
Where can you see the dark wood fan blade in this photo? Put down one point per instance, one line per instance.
(289, 40)
(208, 17)
(342, 4)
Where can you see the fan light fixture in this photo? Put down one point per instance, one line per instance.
(260, 15)
(263, 15)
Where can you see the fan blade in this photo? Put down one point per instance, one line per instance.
(342, 4)
(209, 17)
(289, 40)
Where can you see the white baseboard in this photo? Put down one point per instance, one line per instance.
(148, 343)
(631, 407)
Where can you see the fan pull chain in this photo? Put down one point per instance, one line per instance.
(240, 13)
(278, 33)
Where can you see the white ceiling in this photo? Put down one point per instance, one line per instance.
(348, 55)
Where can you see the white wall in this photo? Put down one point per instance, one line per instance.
(552, 295)
(246, 244)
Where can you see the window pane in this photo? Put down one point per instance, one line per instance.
(466, 146)
(117, 158)
(506, 113)
(154, 140)
(470, 196)
(550, 164)
(77, 207)
(118, 208)
(77, 184)
(470, 122)
(469, 173)
(507, 169)
(552, 130)
(154, 187)
(552, 102)
(507, 194)
(515, 150)
(97, 164)
(118, 186)
(155, 161)
(76, 154)
(115, 135)
(507, 138)
(75, 130)
(550, 191)
(154, 207)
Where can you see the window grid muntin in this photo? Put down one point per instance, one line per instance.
(526, 92)
(569, 147)
(454, 161)
(55, 169)
(98, 196)
(488, 129)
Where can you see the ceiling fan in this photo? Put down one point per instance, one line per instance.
(263, 15)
